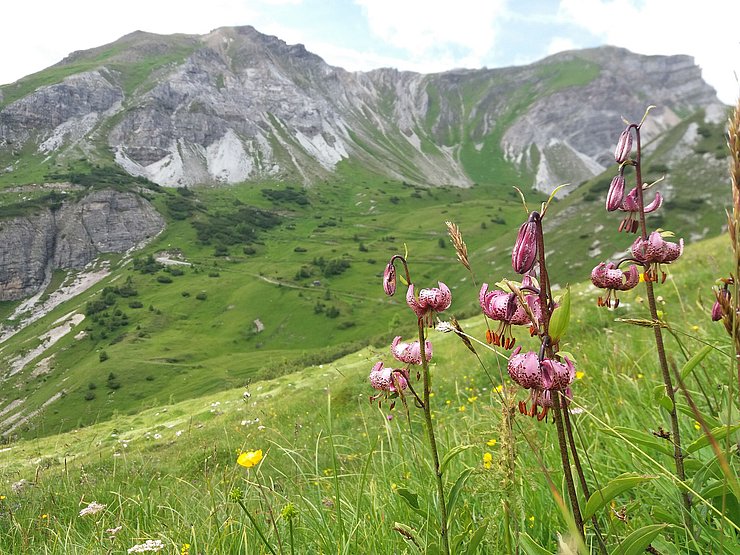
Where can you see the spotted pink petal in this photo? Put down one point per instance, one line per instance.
(524, 369)
(410, 353)
(560, 375)
(624, 146)
(524, 254)
(657, 203)
(436, 299)
(412, 302)
(389, 280)
(616, 193)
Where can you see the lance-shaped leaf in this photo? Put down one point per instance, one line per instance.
(637, 541)
(603, 496)
(560, 317)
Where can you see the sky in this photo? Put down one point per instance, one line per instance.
(418, 35)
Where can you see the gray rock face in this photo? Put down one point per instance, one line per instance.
(236, 105)
(70, 237)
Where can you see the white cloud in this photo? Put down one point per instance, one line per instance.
(559, 44)
(436, 35)
(707, 31)
(35, 37)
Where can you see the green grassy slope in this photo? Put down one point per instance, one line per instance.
(168, 472)
(309, 282)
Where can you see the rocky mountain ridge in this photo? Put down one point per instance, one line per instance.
(236, 105)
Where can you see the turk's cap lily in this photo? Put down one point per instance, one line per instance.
(434, 299)
(506, 307)
(655, 249)
(389, 279)
(524, 254)
(530, 372)
(607, 276)
(559, 374)
(387, 379)
(410, 353)
(624, 146)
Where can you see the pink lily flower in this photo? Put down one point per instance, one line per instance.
(410, 353)
(430, 301)
(608, 276)
(505, 307)
(655, 251)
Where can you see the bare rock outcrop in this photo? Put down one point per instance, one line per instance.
(70, 236)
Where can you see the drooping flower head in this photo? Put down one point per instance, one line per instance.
(387, 379)
(506, 308)
(607, 276)
(542, 377)
(410, 353)
(390, 382)
(655, 251)
(631, 205)
(524, 254)
(434, 299)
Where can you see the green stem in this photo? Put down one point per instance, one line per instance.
(582, 478)
(545, 303)
(660, 346)
(433, 443)
(256, 526)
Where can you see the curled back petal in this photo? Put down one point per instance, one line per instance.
(657, 203)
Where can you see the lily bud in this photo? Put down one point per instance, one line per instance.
(716, 311)
(624, 146)
(389, 280)
(615, 195)
(524, 254)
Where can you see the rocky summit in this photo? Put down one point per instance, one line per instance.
(236, 105)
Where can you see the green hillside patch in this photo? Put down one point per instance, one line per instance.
(162, 469)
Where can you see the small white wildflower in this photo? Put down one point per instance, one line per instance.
(157, 436)
(178, 433)
(246, 394)
(92, 508)
(20, 485)
(148, 545)
(260, 427)
(577, 410)
(113, 531)
(444, 327)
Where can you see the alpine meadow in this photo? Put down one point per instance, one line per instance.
(254, 303)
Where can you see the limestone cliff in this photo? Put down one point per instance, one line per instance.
(69, 236)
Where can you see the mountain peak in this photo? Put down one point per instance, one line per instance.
(236, 104)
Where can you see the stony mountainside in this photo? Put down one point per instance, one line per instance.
(237, 105)
(69, 236)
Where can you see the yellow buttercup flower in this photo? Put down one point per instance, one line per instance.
(248, 459)
(579, 374)
(487, 460)
(491, 442)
